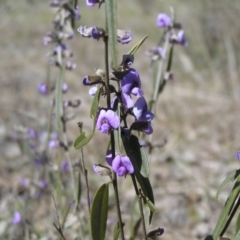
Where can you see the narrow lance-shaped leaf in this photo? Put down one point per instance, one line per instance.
(84, 139)
(237, 231)
(144, 183)
(230, 178)
(237, 236)
(116, 231)
(226, 210)
(137, 46)
(99, 213)
(111, 17)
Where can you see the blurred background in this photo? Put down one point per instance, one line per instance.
(197, 114)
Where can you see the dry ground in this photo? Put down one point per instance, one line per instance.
(198, 113)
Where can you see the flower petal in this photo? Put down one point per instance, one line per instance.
(100, 119)
(127, 164)
(122, 171)
(105, 128)
(137, 92)
(116, 163)
(112, 119)
(127, 100)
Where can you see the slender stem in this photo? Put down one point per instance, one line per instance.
(115, 186)
(85, 172)
(158, 81)
(65, 141)
(140, 205)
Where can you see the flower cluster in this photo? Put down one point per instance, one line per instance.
(174, 34)
(62, 30)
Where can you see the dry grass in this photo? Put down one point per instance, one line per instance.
(198, 113)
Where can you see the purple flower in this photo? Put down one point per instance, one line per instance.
(17, 218)
(238, 155)
(91, 3)
(64, 166)
(130, 84)
(163, 20)
(123, 36)
(140, 110)
(70, 65)
(120, 164)
(107, 120)
(143, 115)
(181, 38)
(43, 88)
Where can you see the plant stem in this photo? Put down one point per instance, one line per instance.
(140, 205)
(85, 172)
(114, 180)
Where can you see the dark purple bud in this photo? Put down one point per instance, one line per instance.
(91, 80)
(96, 34)
(155, 233)
(17, 218)
(43, 88)
(163, 20)
(91, 32)
(124, 36)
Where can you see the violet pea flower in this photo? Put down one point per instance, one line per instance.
(130, 84)
(107, 120)
(163, 20)
(143, 115)
(141, 112)
(120, 164)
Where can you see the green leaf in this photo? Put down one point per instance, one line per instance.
(137, 155)
(131, 145)
(230, 178)
(84, 139)
(111, 16)
(136, 228)
(137, 46)
(226, 210)
(237, 224)
(95, 103)
(116, 231)
(99, 213)
(237, 236)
